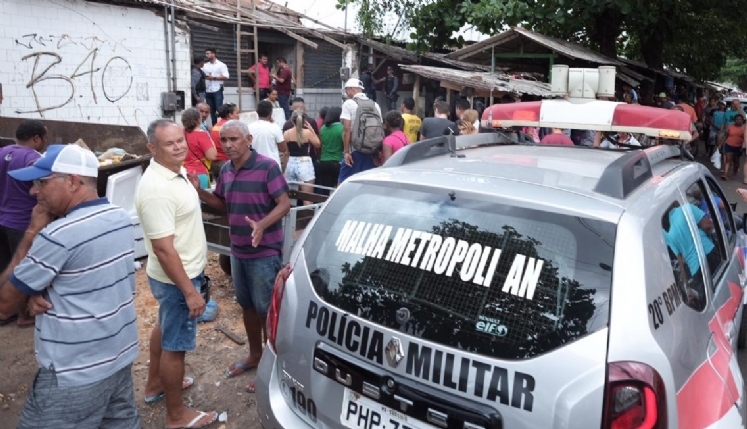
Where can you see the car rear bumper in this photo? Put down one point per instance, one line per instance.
(272, 407)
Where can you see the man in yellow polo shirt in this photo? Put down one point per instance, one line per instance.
(412, 122)
(171, 218)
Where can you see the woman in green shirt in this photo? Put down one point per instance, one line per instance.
(331, 136)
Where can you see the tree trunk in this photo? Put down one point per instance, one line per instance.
(652, 51)
(652, 48)
(607, 29)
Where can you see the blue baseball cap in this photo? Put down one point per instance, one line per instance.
(60, 158)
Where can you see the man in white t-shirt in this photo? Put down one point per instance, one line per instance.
(267, 137)
(216, 73)
(624, 140)
(353, 161)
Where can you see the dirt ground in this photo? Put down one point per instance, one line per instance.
(207, 364)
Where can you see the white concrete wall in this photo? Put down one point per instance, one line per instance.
(74, 60)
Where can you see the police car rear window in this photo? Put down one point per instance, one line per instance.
(498, 280)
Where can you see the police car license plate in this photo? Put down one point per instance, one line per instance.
(359, 412)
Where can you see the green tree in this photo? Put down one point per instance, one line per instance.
(734, 72)
(693, 36)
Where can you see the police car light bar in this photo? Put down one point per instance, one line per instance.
(579, 83)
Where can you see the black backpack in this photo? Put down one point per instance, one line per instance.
(201, 86)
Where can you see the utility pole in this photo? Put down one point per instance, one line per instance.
(346, 15)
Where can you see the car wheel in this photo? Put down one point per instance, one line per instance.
(742, 337)
(225, 263)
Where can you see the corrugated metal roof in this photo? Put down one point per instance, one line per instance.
(225, 11)
(480, 80)
(462, 65)
(401, 54)
(633, 74)
(627, 79)
(665, 72)
(266, 15)
(560, 47)
(396, 52)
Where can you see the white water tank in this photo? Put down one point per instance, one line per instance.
(606, 86)
(559, 82)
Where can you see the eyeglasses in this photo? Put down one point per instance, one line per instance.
(40, 182)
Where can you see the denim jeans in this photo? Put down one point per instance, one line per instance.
(253, 281)
(214, 100)
(178, 330)
(284, 101)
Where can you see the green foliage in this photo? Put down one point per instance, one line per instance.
(692, 36)
(734, 72)
(372, 14)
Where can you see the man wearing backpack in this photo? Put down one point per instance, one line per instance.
(363, 132)
(198, 81)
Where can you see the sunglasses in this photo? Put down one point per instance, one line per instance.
(40, 182)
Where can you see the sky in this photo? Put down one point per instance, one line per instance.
(325, 11)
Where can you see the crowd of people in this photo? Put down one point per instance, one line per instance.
(68, 266)
(66, 254)
(720, 128)
(323, 151)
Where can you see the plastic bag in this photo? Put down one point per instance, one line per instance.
(716, 158)
(211, 312)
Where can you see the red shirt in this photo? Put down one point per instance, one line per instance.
(557, 139)
(699, 107)
(215, 134)
(284, 88)
(263, 78)
(198, 142)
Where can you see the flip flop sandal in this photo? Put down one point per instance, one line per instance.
(200, 416)
(10, 319)
(248, 389)
(238, 369)
(159, 397)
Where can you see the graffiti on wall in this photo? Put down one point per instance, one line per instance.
(37, 41)
(114, 72)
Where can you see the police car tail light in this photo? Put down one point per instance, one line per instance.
(273, 313)
(634, 397)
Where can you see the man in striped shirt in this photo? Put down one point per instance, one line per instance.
(253, 191)
(79, 273)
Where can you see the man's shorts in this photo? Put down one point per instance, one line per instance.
(299, 169)
(178, 330)
(253, 280)
(361, 163)
(106, 404)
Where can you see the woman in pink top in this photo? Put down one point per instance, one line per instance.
(396, 139)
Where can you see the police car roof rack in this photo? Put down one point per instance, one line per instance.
(625, 174)
(450, 144)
